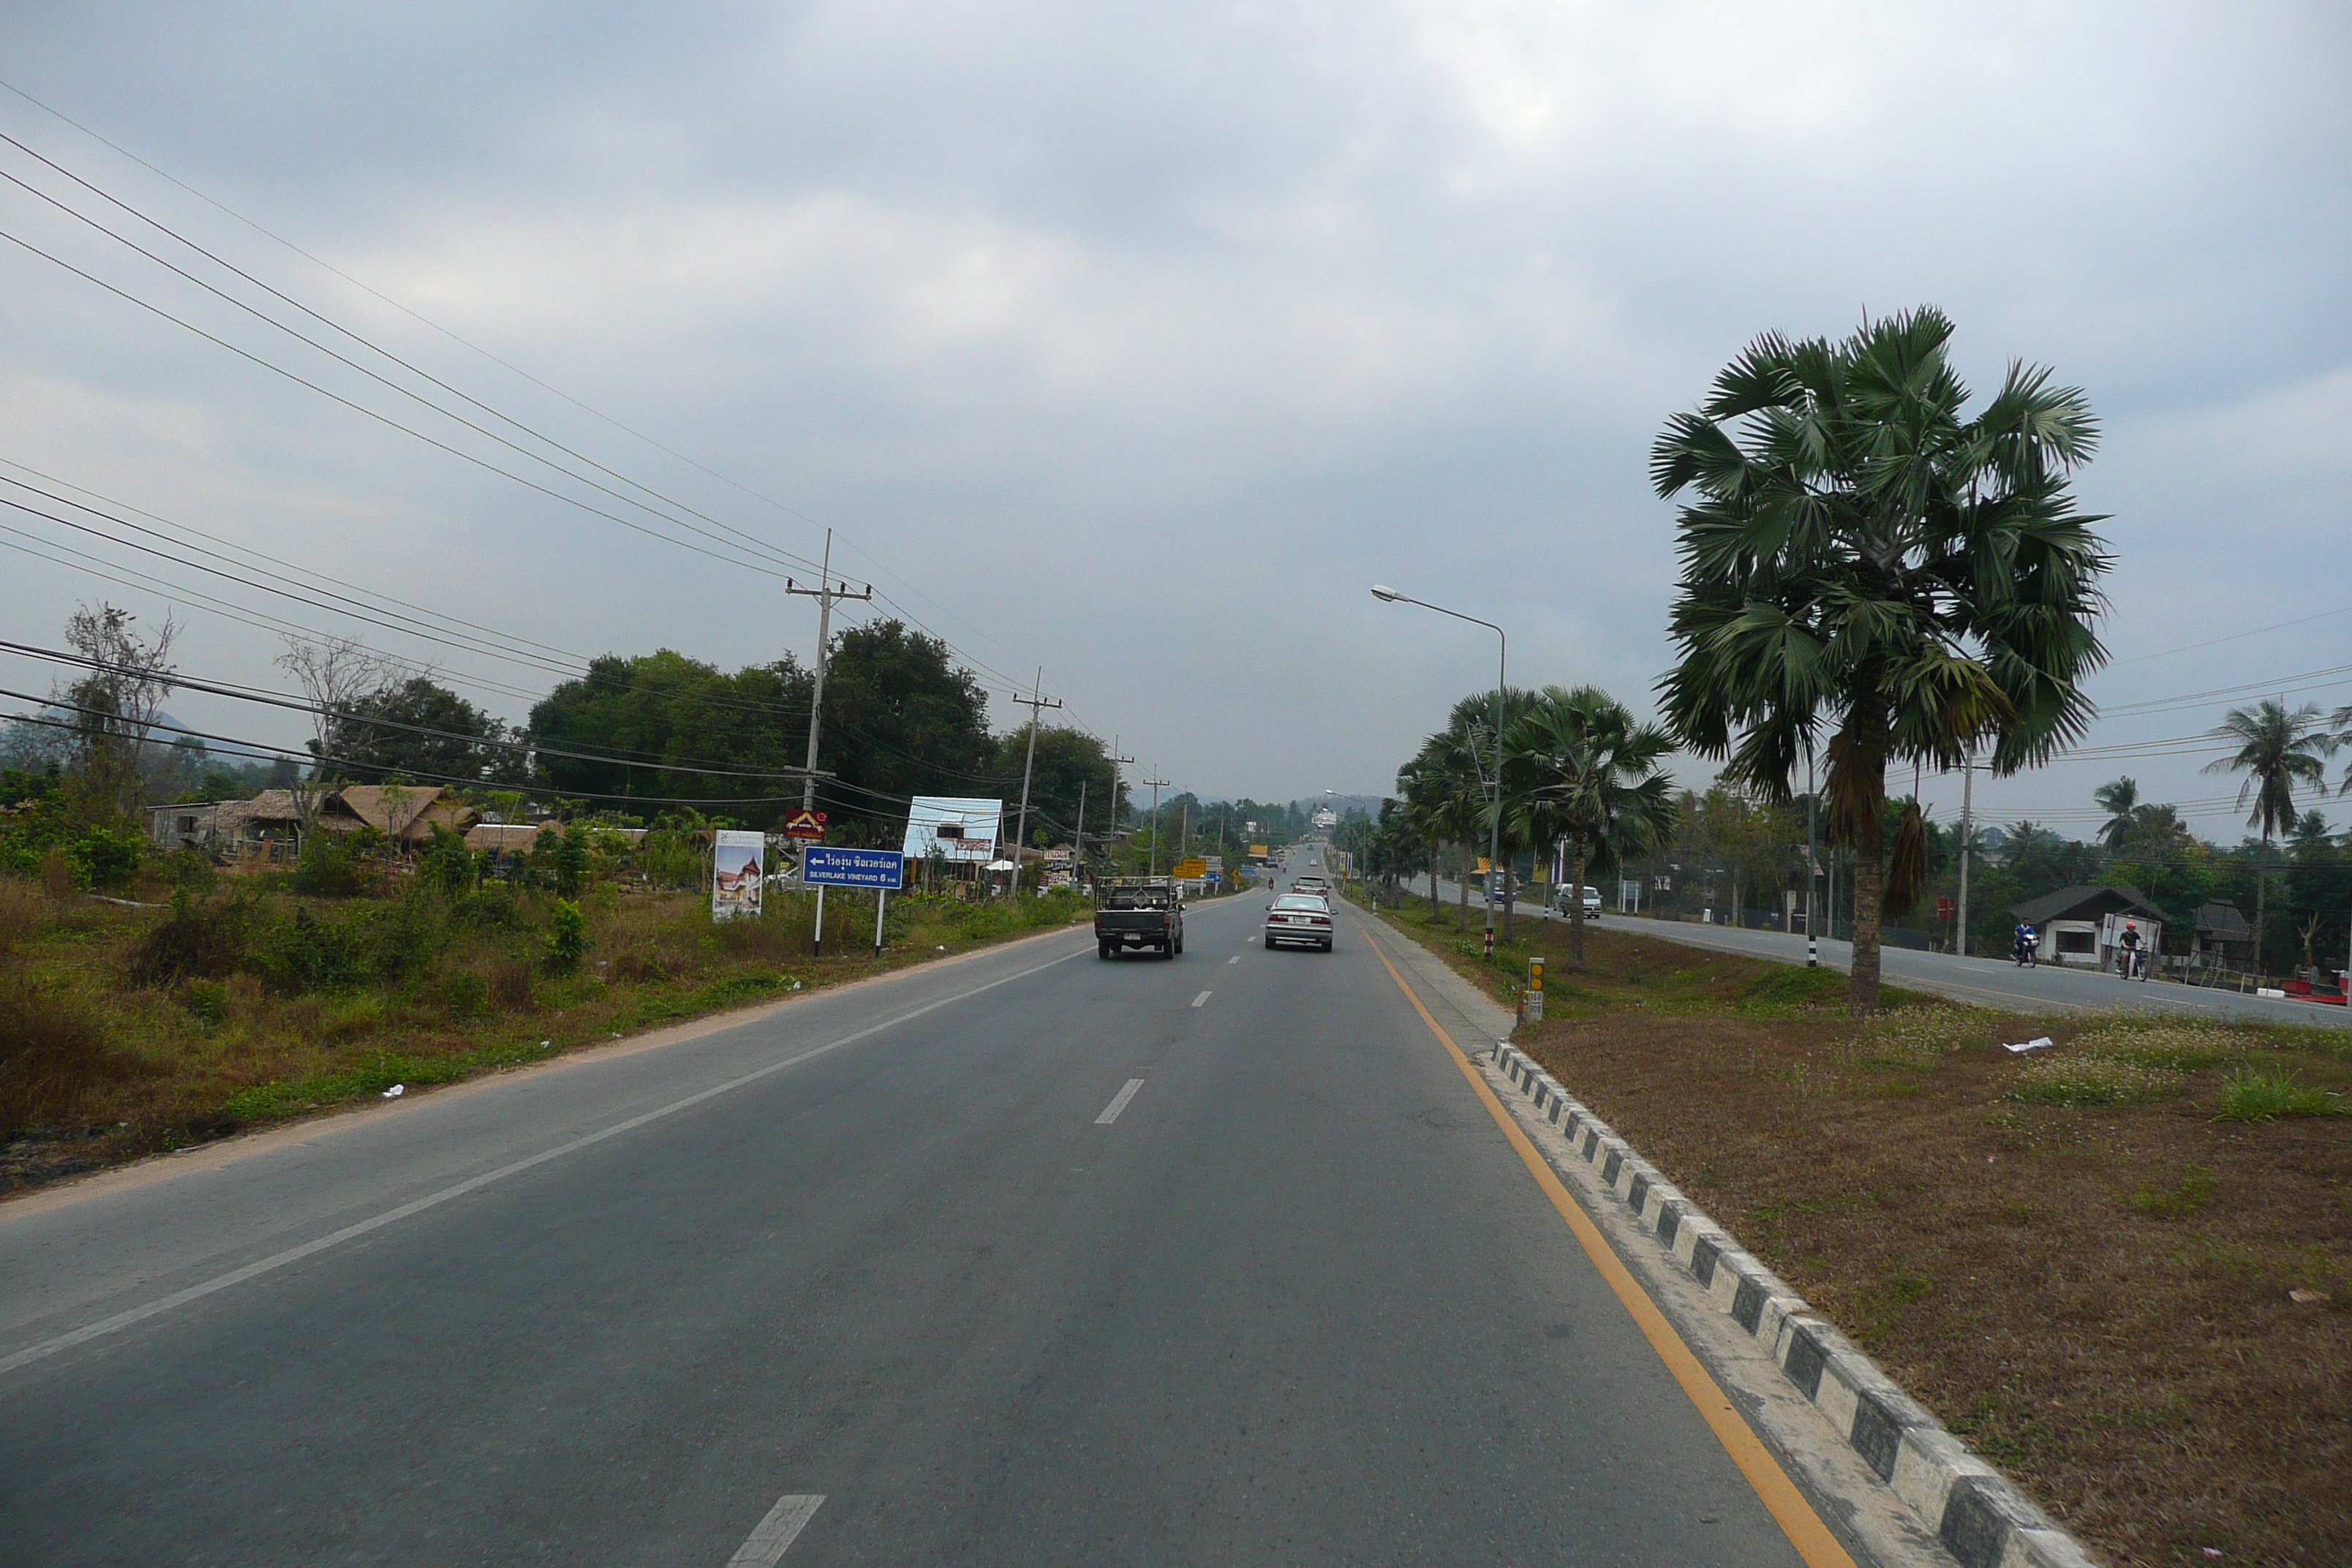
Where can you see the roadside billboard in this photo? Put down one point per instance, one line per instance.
(737, 874)
(955, 829)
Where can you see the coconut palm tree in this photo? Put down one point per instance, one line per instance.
(2279, 751)
(1585, 771)
(2118, 800)
(1863, 560)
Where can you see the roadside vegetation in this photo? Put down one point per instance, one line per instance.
(2119, 1268)
(225, 1004)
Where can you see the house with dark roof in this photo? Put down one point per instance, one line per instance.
(2070, 921)
(2222, 936)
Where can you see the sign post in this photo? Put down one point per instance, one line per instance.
(832, 865)
(1532, 1000)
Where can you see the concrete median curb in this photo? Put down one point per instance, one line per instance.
(1974, 1510)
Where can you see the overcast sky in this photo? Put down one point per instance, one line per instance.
(1136, 341)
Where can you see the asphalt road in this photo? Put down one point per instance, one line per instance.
(1995, 982)
(1295, 1302)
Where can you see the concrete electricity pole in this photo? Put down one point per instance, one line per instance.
(1968, 831)
(826, 594)
(1155, 785)
(1115, 760)
(1021, 829)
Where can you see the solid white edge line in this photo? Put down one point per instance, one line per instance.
(1202, 999)
(768, 1538)
(278, 1260)
(1119, 1102)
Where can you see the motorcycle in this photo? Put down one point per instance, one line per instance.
(2026, 955)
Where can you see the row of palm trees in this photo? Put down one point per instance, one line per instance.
(2282, 752)
(1579, 774)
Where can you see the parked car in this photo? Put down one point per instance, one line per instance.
(1298, 919)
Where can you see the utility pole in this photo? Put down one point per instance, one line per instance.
(1115, 760)
(826, 594)
(1155, 785)
(1021, 829)
(1079, 842)
(1968, 835)
(1812, 866)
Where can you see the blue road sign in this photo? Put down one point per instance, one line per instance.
(833, 866)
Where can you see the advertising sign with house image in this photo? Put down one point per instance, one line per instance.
(736, 874)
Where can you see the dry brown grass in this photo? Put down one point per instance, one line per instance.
(2096, 1296)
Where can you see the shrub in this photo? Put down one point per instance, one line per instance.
(466, 994)
(639, 966)
(448, 867)
(20, 913)
(329, 866)
(307, 953)
(509, 985)
(567, 938)
(56, 875)
(561, 861)
(104, 858)
(206, 1002)
(203, 939)
(2073, 1079)
(2252, 1096)
(53, 1054)
(490, 908)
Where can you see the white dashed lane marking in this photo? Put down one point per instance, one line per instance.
(1119, 1102)
(1200, 999)
(767, 1541)
(1235, 959)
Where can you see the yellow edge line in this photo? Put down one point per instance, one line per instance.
(1795, 1516)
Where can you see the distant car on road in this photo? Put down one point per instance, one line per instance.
(1141, 913)
(1320, 886)
(1298, 919)
(1592, 902)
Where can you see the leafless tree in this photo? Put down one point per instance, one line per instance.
(116, 700)
(334, 673)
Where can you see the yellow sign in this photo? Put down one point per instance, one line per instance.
(1485, 865)
(1187, 869)
(1258, 850)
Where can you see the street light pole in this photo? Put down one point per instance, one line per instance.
(1502, 664)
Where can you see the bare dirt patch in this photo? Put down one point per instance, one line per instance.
(2082, 1260)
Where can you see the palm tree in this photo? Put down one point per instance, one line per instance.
(1862, 560)
(1587, 773)
(1444, 788)
(2118, 800)
(2279, 751)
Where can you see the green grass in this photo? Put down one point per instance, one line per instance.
(2195, 1191)
(2255, 1096)
(2079, 1081)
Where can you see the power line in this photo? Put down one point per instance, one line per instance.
(1008, 682)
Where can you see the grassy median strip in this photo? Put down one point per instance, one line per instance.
(127, 1030)
(2120, 1266)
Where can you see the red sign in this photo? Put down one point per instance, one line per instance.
(1943, 908)
(804, 824)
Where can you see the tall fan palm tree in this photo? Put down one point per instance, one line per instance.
(2119, 800)
(1583, 770)
(1864, 559)
(2280, 750)
(1444, 788)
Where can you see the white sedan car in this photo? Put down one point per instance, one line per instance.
(1302, 918)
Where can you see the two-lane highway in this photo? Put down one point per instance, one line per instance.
(1027, 1259)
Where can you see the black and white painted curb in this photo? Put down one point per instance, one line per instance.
(1980, 1518)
